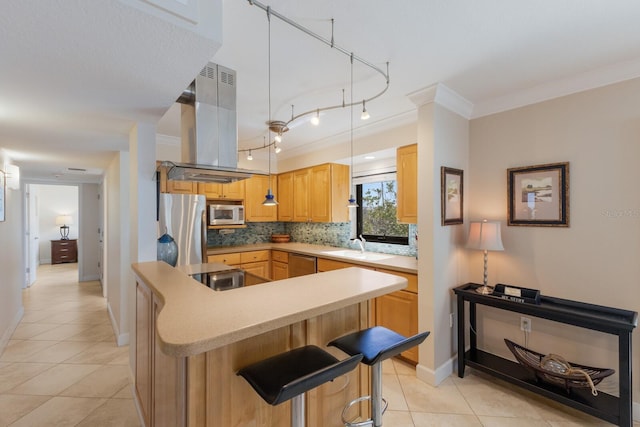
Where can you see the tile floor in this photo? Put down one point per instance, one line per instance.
(62, 368)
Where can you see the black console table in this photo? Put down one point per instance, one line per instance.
(617, 410)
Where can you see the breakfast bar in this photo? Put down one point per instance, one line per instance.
(191, 341)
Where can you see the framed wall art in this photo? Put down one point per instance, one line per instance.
(451, 193)
(2, 195)
(538, 195)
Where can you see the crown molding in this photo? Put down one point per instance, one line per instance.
(444, 96)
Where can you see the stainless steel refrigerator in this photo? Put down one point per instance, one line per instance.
(183, 217)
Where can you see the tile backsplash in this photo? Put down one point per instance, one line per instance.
(327, 234)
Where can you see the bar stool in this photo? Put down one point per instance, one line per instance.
(291, 374)
(375, 344)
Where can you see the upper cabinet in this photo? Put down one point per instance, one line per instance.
(255, 191)
(234, 190)
(285, 196)
(407, 178)
(320, 193)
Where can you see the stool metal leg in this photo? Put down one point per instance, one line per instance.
(376, 394)
(297, 411)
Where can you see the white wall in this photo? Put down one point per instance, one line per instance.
(54, 200)
(595, 260)
(12, 267)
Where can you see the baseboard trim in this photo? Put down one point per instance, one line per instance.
(90, 278)
(6, 336)
(435, 377)
(121, 339)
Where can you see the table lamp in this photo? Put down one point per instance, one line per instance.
(64, 221)
(485, 235)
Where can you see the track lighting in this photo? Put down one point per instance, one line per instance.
(315, 120)
(249, 156)
(277, 149)
(365, 114)
(278, 137)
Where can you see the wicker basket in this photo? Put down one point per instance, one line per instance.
(280, 238)
(532, 361)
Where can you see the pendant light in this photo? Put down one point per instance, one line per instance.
(365, 114)
(269, 199)
(352, 200)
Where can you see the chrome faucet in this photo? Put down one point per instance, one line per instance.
(361, 241)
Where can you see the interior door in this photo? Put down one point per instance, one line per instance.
(33, 234)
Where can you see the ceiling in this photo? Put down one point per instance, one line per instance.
(76, 75)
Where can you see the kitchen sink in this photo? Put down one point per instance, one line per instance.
(367, 256)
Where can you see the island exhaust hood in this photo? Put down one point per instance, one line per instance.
(209, 130)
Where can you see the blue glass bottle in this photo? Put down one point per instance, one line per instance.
(167, 250)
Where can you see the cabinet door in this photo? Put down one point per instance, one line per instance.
(279, 270)
(228, 259)
(210, 190)
(234, 190)
(285, 196)
(260, 268)
(301, 196)
(169, 384)
(407, 177)
(144, 328)
(182, 187)
(320, 190)
(398, 311)
(256, 189)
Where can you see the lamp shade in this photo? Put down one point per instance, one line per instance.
(485, 235)
(64, 220)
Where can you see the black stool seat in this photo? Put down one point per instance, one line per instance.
(287, 375)
(377, 344)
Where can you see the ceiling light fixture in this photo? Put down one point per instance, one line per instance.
(280, 127)
(249, 156)
(277, 149)
(352, 201)
(269, 198)
(365, 114)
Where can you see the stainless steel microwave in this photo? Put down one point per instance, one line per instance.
(226, 214)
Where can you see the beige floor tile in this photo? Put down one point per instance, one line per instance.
(14, 374)
(123, 359)
(125, 392)
(59, 352)
(444, 420)
(54, 380)
(113, 413)
(555, 412)
(403, 368)
(594, 423)
(60, 412)
(387, 367)
(32, 315)
(19, 350)
(100, 353)
(61, 332)
(392, 392)
(397, 419)
(512, 422)
(13, 407)
(25, 331)
(422, 397)
(105, 381)
(95, 333)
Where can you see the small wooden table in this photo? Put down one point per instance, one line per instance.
(617, 410)
(64, 251)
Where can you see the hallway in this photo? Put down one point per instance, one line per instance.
(62, 366)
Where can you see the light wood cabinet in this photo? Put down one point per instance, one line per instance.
(255, 262)
(279, 265)
(233, 190)
(407, 179)
(256, 189)
(398, 311)
(232, 259)
(182, 187)
(320, 193)
(323, 264)
(285, 196)
(160, 379)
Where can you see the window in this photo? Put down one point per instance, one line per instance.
(376, 214)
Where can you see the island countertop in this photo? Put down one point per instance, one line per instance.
(195, 319)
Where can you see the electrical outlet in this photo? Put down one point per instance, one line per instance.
(525, 324)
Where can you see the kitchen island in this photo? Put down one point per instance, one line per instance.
(191, 340)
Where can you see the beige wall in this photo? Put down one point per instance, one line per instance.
(595, 260)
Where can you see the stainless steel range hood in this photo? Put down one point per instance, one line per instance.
(209, 130)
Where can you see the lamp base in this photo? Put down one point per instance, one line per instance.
(485, 290)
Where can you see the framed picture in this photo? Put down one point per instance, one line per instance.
(2, 194)
(538, 195)
(451, 195)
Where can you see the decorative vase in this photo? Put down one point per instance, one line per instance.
(167, 250)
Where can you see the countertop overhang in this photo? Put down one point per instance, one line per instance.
(195, 319)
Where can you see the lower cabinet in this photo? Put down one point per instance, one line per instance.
(397, 311)
(279, 265)
(160, 379)
(255, 262)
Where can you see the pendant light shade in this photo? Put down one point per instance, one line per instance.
(269, 199)
(365, 114)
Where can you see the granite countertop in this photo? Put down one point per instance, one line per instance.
(194, 319)
(405, 264)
